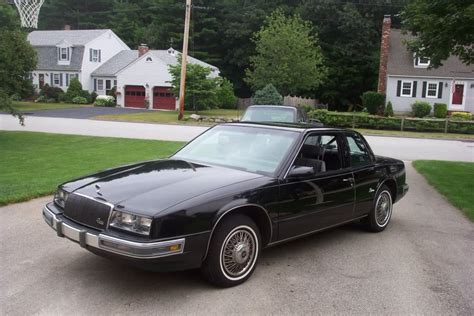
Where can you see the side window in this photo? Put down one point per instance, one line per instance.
(320, 152)
(359, 155)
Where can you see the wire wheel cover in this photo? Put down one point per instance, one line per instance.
(383, 208)
(238, 253)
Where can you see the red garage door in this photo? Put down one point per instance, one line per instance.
(163, 99)
(135, 96)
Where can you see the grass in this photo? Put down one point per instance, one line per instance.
(415, 134)
(33, 164)
(169, 117)
(455, 180)
(32, 106)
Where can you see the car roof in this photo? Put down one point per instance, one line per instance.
(274, 106)
(301, 127)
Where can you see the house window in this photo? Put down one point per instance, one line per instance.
(107, 84)
(57, 79)
(95, 55)
(432, 90)
(115, 83)
(407, 87)
(421, 62)
(100, 84)
(63, 54)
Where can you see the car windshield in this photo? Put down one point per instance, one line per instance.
(269, 114)
(253, 149)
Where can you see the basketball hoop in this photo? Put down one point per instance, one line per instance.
(29, 11)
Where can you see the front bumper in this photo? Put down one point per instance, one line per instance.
(175, 254)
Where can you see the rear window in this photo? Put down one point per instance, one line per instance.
(269, 114)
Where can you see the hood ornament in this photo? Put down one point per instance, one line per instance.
(98, 190)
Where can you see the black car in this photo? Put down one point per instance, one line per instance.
(278, 114)
(232, 191)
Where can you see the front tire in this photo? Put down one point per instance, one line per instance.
(233, 251)
(381, 213)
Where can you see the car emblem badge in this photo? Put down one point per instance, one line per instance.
(99, 221)
(371, 190)
(98, 189)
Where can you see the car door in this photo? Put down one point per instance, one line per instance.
(366, 176)
(321, 199)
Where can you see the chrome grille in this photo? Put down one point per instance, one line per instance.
(87, 211)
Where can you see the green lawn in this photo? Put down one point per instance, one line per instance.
(30, 106)
(455, 180)
(169, 117)
(414, 134)
(33, 164)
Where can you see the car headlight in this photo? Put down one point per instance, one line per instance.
(130, 222)
(60, 197)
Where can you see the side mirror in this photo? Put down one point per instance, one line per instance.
(301, 172)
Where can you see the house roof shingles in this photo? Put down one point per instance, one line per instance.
(73, 37)
(125, 58)
(400, 61)
(48, 60)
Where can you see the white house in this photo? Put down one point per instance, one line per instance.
(142, 77)
(66, 54)
(406, 78)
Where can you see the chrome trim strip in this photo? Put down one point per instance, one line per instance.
(93, 240)
(231, 209)
(313, 231)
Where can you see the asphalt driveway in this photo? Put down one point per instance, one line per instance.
(422, 263)
(81, 113)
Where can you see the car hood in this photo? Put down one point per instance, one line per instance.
(150, 187)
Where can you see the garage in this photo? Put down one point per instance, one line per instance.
(163, 99)
(135, 96)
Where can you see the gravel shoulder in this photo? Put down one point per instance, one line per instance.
(421, 264)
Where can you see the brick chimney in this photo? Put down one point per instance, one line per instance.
(384, 48)
(67, 27)
(142, 49)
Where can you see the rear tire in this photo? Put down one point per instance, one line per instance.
(233, 251)
(381, 212)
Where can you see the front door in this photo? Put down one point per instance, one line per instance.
(323, 199)
(41, 80)
(458, 94)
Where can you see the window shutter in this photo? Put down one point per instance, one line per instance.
(423, 92)
(440, 90)
(67, 80)
(399, 87)
(413, 93)
(61, 79)
(99, 55)
(95, 84)
(90, 54)
(58, 51)
(68, 53)
(416, 61)
(52, 79)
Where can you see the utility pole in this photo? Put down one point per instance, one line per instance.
(184, 56)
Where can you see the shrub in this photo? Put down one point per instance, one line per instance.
(51, 93)
(225, 97)
(15, 97)
(79, 100)
(75, 90)
(389, 110)
(93, 97)
(306, 108)
(461, 116)
(104, 100)
(112, 92)
(268, 95)
(374, 102)
(40, 99)
(440, 110)
(421, 109)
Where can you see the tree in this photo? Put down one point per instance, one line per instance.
(287, 56)
(225, 97)
(442, 28)
(17, 59)
(200, 91)
(267, 96)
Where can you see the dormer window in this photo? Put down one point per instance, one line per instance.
(421, 62)
(64, 53)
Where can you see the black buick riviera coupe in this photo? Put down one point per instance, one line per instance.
(232, 191)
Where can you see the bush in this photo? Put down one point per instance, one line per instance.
(461, 116)
(420, 109)
(51, 93)
(112, 92)
(79, 100)
(15, 97)
(225, 97)
(93, 97)
(268, 95)
(440, 110)
(389, 110)
(374, 102)
(104, 100)
(75, 90)
(306, 108)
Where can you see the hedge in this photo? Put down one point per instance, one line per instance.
(360, 120)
